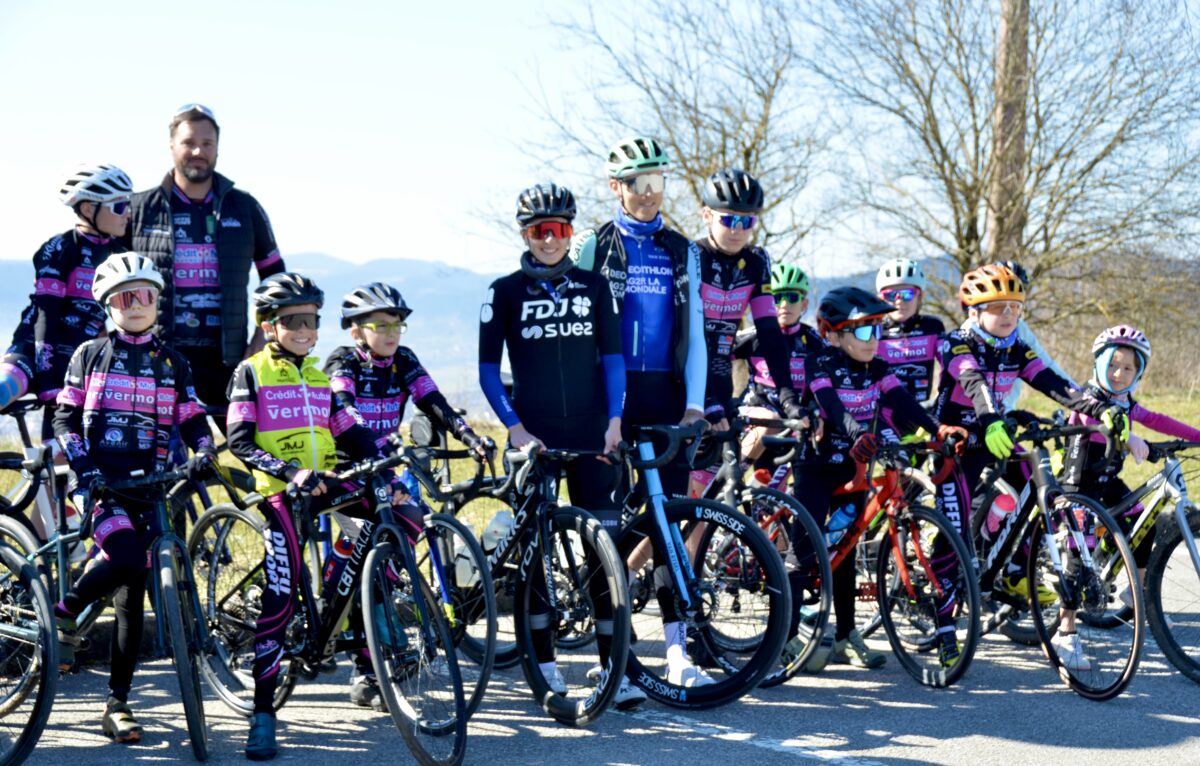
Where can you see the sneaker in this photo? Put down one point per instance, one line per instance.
(792, 651)
(260, 745)
(852, 650)
(1070, 651)
(364, 692)
(1125, 596)
(948, 649)
(557, 683)
(1017, 586)
(819, 658)
(119, 723)
(688, 675)
(628, 696)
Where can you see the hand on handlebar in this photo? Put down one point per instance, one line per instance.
(999, 439)
(482, 447)
(1117, 423)
(955, 436)
(201, 465)
(691, 416)
(308, 482)
(1137, 447)
(864, 447)
(520, 438)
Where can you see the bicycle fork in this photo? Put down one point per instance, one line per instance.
(672, 541)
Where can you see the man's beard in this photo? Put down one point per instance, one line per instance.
(197, 174)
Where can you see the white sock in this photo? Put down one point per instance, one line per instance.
(548, 669)
(675, 637)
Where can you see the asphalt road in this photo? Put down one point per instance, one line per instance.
(1009, 709)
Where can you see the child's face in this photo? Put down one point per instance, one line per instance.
(1122, 369)
(998, 318)
(728, 240)
(301, 336)
(853, 347)
(380, 331)
(136, 317)
(788, 312)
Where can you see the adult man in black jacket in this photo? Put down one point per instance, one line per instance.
(203, 236)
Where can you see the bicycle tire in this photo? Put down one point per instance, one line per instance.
(414, 660)
(19, 486)
(471, 612)
(185, 503)
(1111, 658)
(911, 625)
(29, 652)
(25, 542)
(769, 592)
(815, 571)
(577, 539)
(226, 549)
(1173, 611)
(184, 642)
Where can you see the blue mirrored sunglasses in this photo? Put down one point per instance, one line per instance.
(738, 221)
(193, 107)
(865, 333)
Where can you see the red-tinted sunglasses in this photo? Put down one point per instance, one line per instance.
(541, 229)
(144, 296)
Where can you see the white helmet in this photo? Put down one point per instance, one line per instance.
(901, 271)
(95, 183)
(121, 269)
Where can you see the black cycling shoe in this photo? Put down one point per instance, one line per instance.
(260, 745)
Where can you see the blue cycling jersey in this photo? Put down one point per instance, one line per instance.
(648, 318)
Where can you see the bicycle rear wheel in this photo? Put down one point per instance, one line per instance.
(184, 638)
(414, 658)
(226, 549)
(28, 658)
(589, 587)
(471, 608)
(927, 589)
(750, 605)
(1097, 663)
(17, 486)
(1173, 597)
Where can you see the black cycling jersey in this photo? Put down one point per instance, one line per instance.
(729, 285)
(62, 314)
(910, 347)
(121, 399)
(801, 342)
(376, 390)
(560, 337)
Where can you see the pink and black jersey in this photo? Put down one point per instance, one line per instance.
(377, 390)
(729, 286)
(910, 348)
(802, 343)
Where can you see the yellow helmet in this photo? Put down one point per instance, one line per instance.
(993, 282)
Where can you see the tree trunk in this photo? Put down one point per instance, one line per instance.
(1006, 199)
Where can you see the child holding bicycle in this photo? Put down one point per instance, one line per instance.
(910, 338)
(1121, 355)
(373, 380)
(120, 400)
(286, 425)
(980, 363)
(851, 385)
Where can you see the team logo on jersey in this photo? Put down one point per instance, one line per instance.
(531, 333)
(581, 305)
(485, 313)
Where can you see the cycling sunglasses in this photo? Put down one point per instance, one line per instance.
(890, 294)
(124, 299)
(542, 229)
(738, 221)
(382, 328)
(117, 206)
(866, 333)
(194, 107)
(647, 183)
(790, 297)
(1000, 308)
(298, 321)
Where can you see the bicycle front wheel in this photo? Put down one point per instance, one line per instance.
(928, 596)
(183, 636)
(414, 658)
(748, 603)
(28, 657)
(1095, 564)
(1173, 597)
(589, 605)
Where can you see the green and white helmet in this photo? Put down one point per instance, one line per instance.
(901, 271)
(788, 277)
(635, 154)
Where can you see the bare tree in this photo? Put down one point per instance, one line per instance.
(1006, 196)
(1111, 154)
(716, 82)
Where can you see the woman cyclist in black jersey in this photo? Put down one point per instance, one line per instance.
(561, 330)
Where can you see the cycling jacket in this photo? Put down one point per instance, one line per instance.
(121, 399)
(801, 342)
(910, 347)
(283, 417)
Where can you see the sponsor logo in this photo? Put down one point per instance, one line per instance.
(113, 437)
(279, 572)
(542, 309)
(950, 505)
(581, 305)
(230, 223)
(182, 219)
(533, 332)
(486, 313)
(658, 688)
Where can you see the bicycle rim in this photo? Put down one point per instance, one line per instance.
(1173, 598)
(28, 658)
(184, 646)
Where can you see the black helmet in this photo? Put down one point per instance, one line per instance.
(367, 299)
(545, 201)
(844, 306)
(286, 289)
(733, 189)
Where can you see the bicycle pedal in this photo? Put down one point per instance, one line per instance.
(326, 666)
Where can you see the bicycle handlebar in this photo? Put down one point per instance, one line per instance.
(675, 437)
(1160, 450)
(1039, 430)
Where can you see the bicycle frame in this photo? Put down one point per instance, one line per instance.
(1168, 485)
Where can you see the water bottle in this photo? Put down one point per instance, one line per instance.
(1003, 505)
(498, 529)
(412, 485)
(839, 522)
(466, 575)
(339, 554)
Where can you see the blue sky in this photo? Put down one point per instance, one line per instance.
(366, 129)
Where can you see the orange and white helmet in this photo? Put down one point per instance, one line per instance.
(993, 282)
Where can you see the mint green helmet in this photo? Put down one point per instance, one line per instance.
(787, 277)
(635, 154)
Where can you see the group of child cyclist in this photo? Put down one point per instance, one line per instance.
(630, 324)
